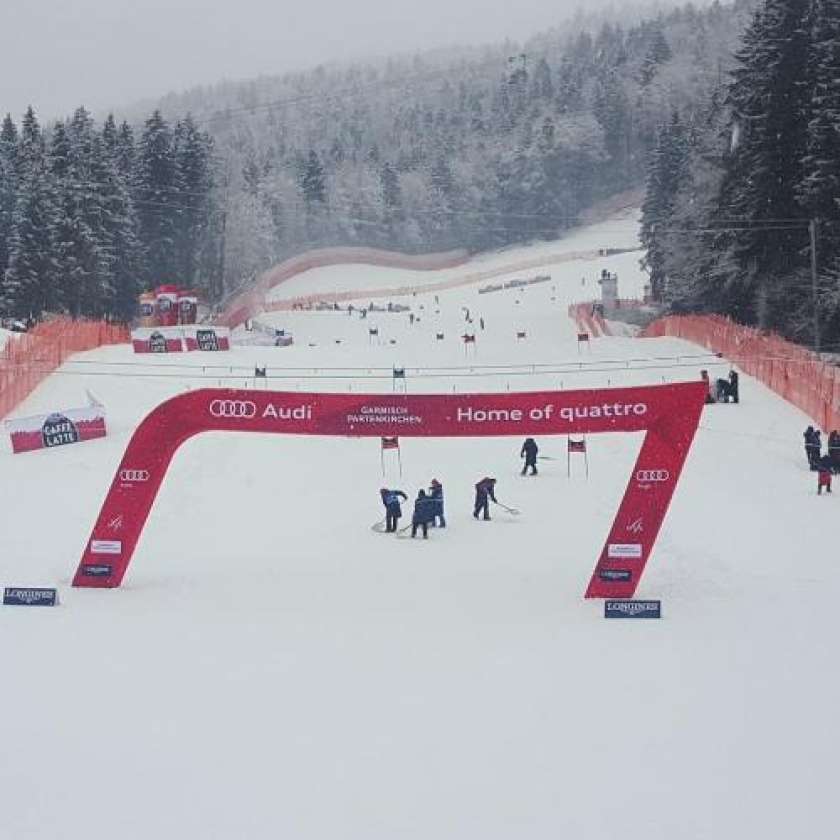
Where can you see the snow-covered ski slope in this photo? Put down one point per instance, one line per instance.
(272, 668)
(569, 254)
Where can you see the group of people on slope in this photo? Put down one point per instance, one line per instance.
(428, 509)
(428, 506)
(824, 465)
(724, 389)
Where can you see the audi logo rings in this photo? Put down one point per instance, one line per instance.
(233, 408)
(652, 475)
(134, 476)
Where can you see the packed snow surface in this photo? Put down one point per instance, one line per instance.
(572, 253)
(272, 668)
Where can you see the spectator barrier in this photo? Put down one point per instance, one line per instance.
(794, 373)
(26, 360)
(249, 303)
(588, 320)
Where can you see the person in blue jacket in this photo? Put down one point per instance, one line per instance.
(424, 513)
(436, 495)
(393, 511)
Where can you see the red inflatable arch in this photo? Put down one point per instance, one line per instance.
(668, 413)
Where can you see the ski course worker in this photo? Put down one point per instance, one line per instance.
(484, 491)
(812, 447)
(424, 513)
(824, 467)
(733, 385)
(529, 453)
(393, 511)
(436, 495)
(834, 450)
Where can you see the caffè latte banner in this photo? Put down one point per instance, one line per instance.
(58, 428)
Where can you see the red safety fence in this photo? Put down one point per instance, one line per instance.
(588, 320)
(29, 358)
(794, 373)
(251, 302)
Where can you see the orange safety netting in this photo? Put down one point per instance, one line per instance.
(250, 303)
(588, 320)
(794, 373)
(27, 359)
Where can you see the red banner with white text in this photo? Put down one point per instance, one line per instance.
(668, 413)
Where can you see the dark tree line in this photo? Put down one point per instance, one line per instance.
(90, 216)
(730, 196)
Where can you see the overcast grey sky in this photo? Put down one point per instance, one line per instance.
(58, 54)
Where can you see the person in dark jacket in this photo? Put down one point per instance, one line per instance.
(393, 511)
(812, 447)
(710, 396)
(424, 513)
(834, 450)
(733, 385)
(529, 453)
(824, 467)
(484, 492)
(436, 495)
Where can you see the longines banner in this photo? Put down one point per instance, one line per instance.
(44, 431)
(668, 413)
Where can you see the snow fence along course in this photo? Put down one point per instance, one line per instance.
(587, 322)
(253, 302)
(250, 303)
(28, 359)
(794, 373)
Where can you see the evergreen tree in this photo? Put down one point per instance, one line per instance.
(157, 201)
(64, 221)
(27, 289)
(193, 150)
(658, 52)
(612, 111)
(85, 271)
(120, 224)
(8, 187)
(697, 263)
(769, 98)
(666, 173)
(313, 182)
(124, 153)
(819, 188)
(542, 85)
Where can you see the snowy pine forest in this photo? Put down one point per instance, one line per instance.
(744, 193)
(727, 113)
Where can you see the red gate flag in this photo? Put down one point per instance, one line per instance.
(668, 413)
(390, 443)
(577, 445)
